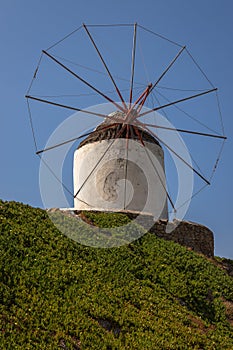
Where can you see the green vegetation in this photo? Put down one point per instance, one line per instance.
(151, 294)
(103, 220)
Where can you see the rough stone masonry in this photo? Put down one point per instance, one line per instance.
(192, 235)
(189, 234)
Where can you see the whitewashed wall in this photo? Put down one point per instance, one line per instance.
(106, 189)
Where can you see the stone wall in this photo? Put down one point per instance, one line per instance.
(192, 235)
(189, 234)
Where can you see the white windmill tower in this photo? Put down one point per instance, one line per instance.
(130, 173)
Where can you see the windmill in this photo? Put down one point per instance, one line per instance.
(119, 163)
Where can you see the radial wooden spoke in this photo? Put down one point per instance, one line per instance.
(66, 106)
(132, 64)
(105, 116)
(185, 131)
(62, 143)
(83, 80)
(177, 101)
(105, 66)
(74, 139)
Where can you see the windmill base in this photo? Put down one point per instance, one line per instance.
(192, 235)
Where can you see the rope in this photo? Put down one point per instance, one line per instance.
(41, 158)
(222, 126)
(161, 180)
(95, 70)
(80, 65)
(35, 74)
(194, 195)
(159, 104)
(200, 69)
(177, 89)
(193, 160)
(218, 159)
(36, 149)
(31, 125)
(216, 163)
(53, 173)
(152, 96)
(65, 37)
(35, 145)
(111, 25)
(160, 36)
(220, 112)
(82, 95)
(115, 55)
(143, 61)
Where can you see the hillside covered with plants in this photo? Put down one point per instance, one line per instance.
(151, 294)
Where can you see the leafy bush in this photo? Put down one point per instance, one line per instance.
(150, 294)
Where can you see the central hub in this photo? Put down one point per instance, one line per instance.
(121, 117)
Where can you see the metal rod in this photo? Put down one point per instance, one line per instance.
(185, 131)
(178, 156)
(132, 64)
(105, 65)
(83, 81)
(177, 101)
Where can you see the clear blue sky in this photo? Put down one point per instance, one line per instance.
(26, 27)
